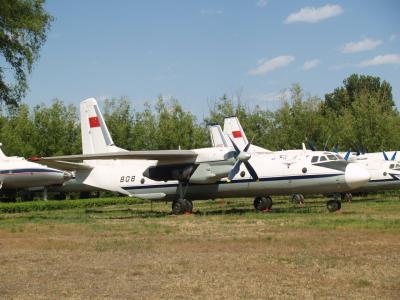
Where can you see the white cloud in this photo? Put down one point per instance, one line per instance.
(360, 46)
(385, 59)
(314, 14)
(211, 12)
(394, 37)
(309, 64)
(265, 66)
(261, 3)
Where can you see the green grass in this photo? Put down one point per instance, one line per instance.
(376, 212)
(41, 205)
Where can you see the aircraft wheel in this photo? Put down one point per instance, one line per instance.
(333, 205)
(179, 207)
(298, 198)
(262, 203)
(269, 202)
(189, 206)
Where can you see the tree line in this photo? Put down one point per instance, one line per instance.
(359, 115)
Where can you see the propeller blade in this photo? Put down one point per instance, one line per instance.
(234, 146)
(394, 156)
(247, 147)
(346, 157)
(234, 170)
(251, 170)
(385, 156)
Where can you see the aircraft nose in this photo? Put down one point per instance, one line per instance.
(356, 176)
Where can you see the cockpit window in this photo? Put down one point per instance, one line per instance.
(391, 166)
(339, 157)
(332, 157)
(322, 158)
(314, 159)
(397, 166)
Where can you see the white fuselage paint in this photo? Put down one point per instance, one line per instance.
(17, 173)
(283, 172)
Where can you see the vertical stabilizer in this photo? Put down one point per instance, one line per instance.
(218, 138)
(95, 135)
(234, 130)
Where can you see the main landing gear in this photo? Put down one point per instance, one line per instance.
(334, 204)
(346, 197)
(182, 205)
(263, 203)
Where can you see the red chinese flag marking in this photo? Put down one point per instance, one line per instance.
(236, 134)
(94, 122)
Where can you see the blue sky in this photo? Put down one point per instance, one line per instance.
(196, 51)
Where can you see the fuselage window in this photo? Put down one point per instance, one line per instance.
(332, 157)
(314, 159)
(322, 158)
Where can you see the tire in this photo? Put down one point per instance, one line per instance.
(260, 203)
(296, 198)
(179, 207)
(333, 205)
(189, 206)
(269, 202)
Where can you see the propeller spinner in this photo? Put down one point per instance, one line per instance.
(241, 157)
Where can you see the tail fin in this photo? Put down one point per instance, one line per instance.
(218, 138)
(233, 129)
(95, 135)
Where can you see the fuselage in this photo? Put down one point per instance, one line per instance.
(17, 173)
(385, 175)
(283, 172)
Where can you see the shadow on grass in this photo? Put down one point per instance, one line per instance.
(129, 213)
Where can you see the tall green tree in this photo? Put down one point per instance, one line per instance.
(119, 117)
(57, 129)
(23, 28)
(357, 85)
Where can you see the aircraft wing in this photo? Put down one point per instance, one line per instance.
(62, 165)
(162, 156)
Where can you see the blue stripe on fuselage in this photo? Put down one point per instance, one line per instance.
(28, 170)
(295, 177)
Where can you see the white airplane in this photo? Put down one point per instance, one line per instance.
(385, 173)
(184, 175)
(16, 173)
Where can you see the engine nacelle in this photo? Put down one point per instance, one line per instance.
(206, 173)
